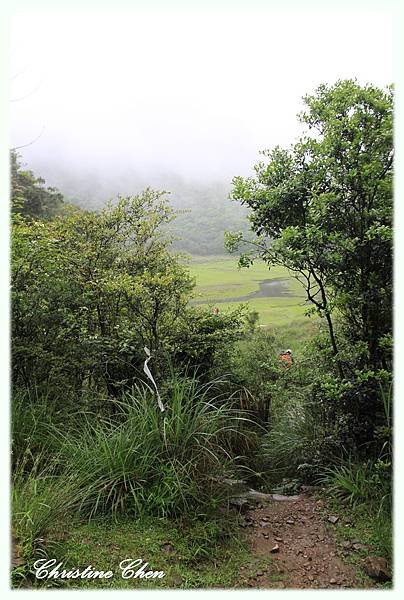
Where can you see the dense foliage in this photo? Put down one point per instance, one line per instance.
(323, 209)
(91, 289)
(203, 209)
(29, 196)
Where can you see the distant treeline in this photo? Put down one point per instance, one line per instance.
(204, 210)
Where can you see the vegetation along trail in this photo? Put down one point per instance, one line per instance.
(271, 465)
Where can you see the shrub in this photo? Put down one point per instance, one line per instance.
(291, 446)
(255, 369)
(202, 339)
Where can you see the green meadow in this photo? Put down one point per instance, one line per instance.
(220, 282)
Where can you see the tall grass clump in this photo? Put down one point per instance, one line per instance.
(290, 448)
(146, 461)
(362, 483)
(365, 488)
(368, 482)
(32, 415)
(40, 498)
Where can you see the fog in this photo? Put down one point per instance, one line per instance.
(109, 101)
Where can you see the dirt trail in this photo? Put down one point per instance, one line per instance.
(307, 556)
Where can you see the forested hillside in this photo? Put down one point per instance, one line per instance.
(195, 436)
(204, 211)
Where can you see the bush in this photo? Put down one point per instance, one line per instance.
(317, 420)
(89, 291)
(291, 447)
(255, 368)
(202, 339)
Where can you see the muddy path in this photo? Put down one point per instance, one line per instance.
(293, 547)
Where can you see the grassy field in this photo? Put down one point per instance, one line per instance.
(221, 283)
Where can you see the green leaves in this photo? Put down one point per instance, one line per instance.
(29, 197)
(323, 208)
(87, 286)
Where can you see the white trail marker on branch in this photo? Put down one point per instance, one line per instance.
(150, 376)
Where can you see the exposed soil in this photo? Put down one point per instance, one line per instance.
(304, 550)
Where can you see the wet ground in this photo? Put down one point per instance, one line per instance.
(268, 288)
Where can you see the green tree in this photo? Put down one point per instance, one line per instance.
(90, 290)
(29, 196)
(323, 209)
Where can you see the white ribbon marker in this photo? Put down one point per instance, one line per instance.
(150, 376)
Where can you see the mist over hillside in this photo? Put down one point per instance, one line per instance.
(205, 210)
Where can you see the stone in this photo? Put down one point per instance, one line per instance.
(232, 482)
(332, 519)
(257, 496)
(377, 568)
(332, 581)
(280, 498)
(310, 488)
(275, 549)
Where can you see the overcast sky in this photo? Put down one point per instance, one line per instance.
(195, 93)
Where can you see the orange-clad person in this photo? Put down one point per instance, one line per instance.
(286, 358)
